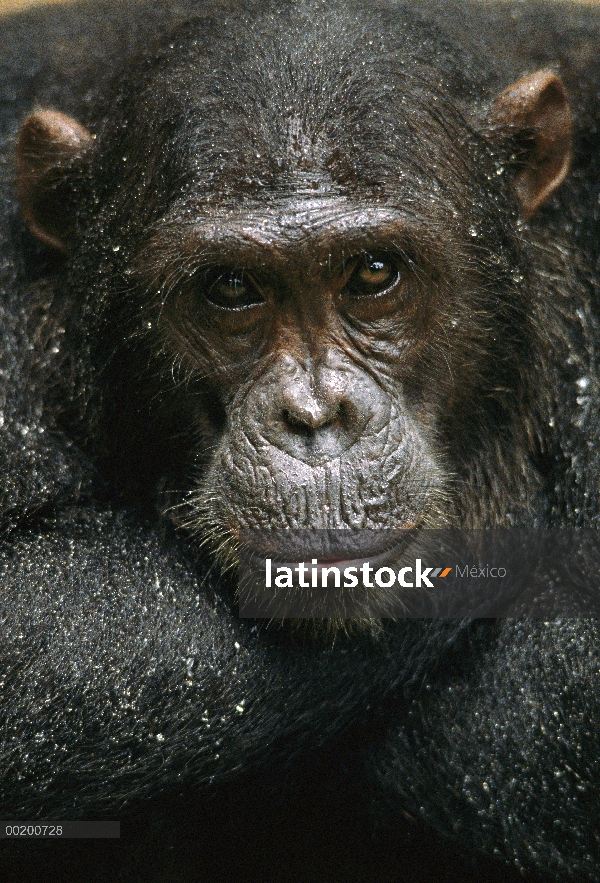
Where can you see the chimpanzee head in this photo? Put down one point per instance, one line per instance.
(293, 247)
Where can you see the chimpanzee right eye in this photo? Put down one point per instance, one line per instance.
(230, 289)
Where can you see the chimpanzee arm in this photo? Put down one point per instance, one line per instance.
(121, 673)
(505, 760)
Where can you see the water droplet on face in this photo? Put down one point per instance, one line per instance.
(473, 231)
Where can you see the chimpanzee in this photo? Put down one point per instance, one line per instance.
(276, 265)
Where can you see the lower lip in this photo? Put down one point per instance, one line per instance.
(377, 557)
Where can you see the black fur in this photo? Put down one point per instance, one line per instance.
(129, 689)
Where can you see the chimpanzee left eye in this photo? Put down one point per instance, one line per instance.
(230, 289)
(374, 274)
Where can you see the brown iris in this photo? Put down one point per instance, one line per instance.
(373, 275)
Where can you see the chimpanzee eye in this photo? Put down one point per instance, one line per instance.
(374, 274)
(230, 289)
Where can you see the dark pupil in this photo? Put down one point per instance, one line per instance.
(232, 286)
(235, 283)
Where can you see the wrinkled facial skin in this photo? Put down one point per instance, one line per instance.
(315, 354)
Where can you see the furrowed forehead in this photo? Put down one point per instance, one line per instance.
(322, 224)
(320, 232)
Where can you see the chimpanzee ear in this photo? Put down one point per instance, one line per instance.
(48, 143)
(535, 111)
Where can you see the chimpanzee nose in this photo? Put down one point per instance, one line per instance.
(314, 428)
(308, 415)
(317, 413)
